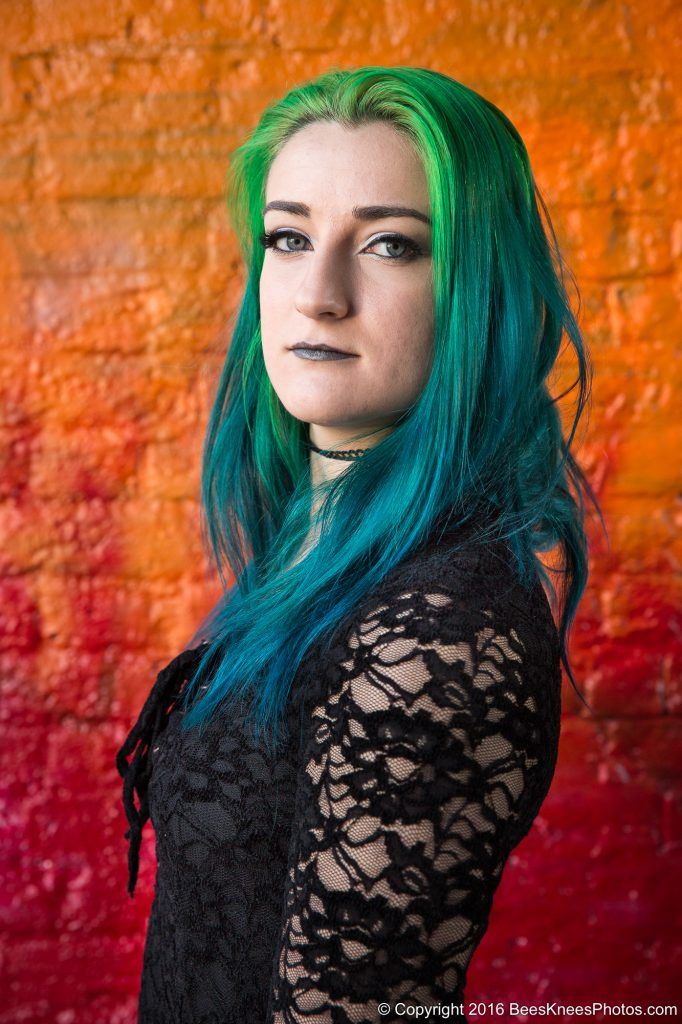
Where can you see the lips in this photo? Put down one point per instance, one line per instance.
(320, 347)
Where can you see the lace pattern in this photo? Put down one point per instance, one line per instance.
(425, 766)
(359, 866)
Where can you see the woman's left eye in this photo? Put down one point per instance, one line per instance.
(408, 250)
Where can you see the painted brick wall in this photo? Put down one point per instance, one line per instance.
(117, 276)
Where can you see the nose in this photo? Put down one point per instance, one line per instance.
(323, 290)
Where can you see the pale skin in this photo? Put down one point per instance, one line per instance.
(335, 278)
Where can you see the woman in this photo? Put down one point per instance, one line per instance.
(378, 695)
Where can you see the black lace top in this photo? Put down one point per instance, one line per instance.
(358, 865)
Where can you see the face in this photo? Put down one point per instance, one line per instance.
(358, 280)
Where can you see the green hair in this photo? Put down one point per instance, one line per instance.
(496, 453)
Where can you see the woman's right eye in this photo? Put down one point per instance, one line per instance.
(269, 238)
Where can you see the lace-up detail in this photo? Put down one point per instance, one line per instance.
(139, 742)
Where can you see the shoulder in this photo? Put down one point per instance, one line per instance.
(470, 591)
(449, 638)
(439, 676)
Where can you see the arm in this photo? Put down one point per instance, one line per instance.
(423, 770)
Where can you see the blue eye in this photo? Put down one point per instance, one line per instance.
(412, 249)
(268, 240)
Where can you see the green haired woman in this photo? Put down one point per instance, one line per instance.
(367, 723)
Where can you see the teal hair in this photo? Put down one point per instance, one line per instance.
(496, 453)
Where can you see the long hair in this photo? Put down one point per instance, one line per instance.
(495, 452)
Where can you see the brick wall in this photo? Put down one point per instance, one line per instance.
(117, 276)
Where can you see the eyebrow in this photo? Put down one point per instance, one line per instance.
(359, 212)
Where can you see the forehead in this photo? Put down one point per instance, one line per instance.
(327, 164)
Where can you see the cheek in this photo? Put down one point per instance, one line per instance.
(409, 368)
(403, 324)
(272, 297)
(405, 343)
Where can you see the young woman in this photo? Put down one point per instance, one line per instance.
(339, 765)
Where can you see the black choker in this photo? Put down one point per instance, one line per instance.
(348, 454)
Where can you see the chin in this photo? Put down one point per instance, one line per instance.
(308, 412)
(328, 411)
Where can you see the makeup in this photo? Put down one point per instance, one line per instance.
(320, 354)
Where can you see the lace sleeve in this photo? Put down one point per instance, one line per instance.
(427, 762)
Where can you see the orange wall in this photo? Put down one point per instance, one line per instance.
(117, 277)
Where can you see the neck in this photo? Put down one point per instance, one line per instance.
(326, 467)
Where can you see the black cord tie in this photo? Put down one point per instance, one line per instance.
(150, 724)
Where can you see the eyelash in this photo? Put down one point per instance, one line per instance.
(268, 238)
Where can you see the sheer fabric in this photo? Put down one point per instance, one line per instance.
(359, 865)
